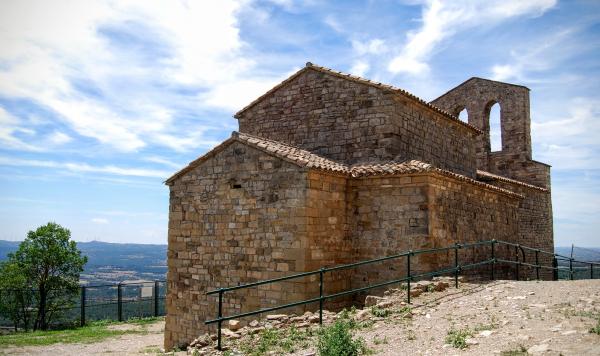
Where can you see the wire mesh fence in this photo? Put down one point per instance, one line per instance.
(117, 302)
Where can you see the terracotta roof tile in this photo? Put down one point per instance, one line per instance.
(293, 154)
(486, 176)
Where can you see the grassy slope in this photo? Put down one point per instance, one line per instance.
(94, 332)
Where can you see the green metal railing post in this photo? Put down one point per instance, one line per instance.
(456, 268)
(119, 303)
(408, 276)
(555, 268)
(517, 263)
(321, 272)
(155, 298)
(537, 265)
(571, 268)
(493, 260)
(591, 271)
(219, 316)
(82, 322)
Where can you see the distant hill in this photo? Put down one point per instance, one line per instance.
(113, 262)
(580, 253)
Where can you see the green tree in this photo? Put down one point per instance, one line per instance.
(16, 296)
(48, 263)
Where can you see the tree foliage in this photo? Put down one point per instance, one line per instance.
(41, 277)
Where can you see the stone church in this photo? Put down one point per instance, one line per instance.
(329, 168)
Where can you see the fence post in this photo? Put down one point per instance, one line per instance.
(517, 263)
(155, 298)
(119, 302)
(555, 268)
(408, 276)
(537, 265)
(321, 272)
(591, 271)
(82, 305)
(219, 316)
(571, 268)
(493, 260)
(456, 268)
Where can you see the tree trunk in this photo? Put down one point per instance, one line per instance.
(42, 308)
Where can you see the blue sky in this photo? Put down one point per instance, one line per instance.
(101, 101)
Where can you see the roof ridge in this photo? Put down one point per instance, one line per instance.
(361, 80)
(486, 174)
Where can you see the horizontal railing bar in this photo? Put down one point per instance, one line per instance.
(471, 265)
(372, 286)
(429, 250)
(351, 265)
(435, 273)
(264, 310)
(346, 266)
(478, 243)
(260, 283)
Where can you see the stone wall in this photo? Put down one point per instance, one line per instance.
(238, 217)
(328, 243)
(535, 225)
(354, 122)
(465, 213)
(388, 216)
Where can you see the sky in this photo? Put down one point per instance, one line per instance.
(101, 101)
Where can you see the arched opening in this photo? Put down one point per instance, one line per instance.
(495, 128)
(463, 115)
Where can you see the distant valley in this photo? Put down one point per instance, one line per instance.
(112, 262)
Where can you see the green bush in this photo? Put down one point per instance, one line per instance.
(337, 340)
(596, 329)
(458, 338)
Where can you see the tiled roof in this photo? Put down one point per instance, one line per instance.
(360, 80)
(486, 176)
(304, 158)
(293, 154)
(414, 166)
(286, 152)
(390, 168)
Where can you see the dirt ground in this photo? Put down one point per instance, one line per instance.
(548, 318)
(545, 318)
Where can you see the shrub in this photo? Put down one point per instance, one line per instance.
(596, 329)
(337, 340)
(458, 338)
(380, 312)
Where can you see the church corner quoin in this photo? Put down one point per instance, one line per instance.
(329, 168)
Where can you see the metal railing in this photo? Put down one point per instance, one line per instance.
(119, 302)
(519, 262)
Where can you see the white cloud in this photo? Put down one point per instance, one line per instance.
(541, 55)
(85, 168)
(9, 127)
(100, 221)
(59, 138)
(49, 46)
(164, 161)
(443, 19)
(373, 46)
(570, 142)
(360, 68)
